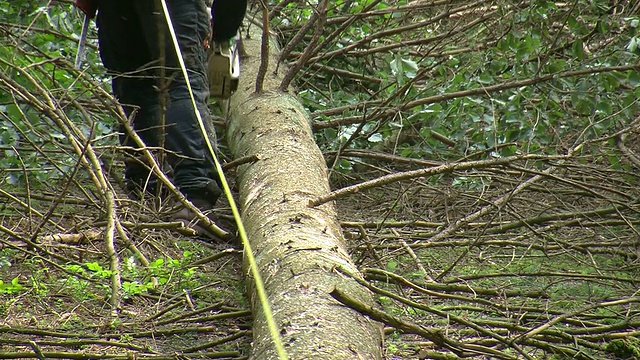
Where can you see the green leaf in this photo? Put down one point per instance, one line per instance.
(156, 263)
(76, 268)
(485, 78)
(634, 78)
(577, 49)
(633, 45)
(410, 68)
(375, 138)
(392, 265)
(604, 107)
(12, 287)
(94, 266)
(556, 65)
(508, 150)
(133, 288)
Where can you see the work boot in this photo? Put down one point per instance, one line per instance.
(203, 198)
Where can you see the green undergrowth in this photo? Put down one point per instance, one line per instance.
(499, 289)
(74, 296)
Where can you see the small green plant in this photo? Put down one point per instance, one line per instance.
(131, 288)
(385, 300)
(37, 285)
(392, 265)
(126, 338)
(160, 272)
(80, 288)
(98, 270)
(11, 287)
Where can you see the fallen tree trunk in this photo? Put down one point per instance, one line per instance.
(298, 248)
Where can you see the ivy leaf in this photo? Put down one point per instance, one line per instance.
(634, 78)
(577, 49)
(633, 44)
(604, 107)
(375, 138)
(410, 68)
(485, 78)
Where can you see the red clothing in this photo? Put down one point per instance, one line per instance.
(88, 7)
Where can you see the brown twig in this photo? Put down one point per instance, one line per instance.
(264, 49)
(318, 18)
(445, 168)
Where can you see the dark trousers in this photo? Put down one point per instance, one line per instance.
(132, 34)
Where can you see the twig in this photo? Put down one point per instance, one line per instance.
(445, 168)
(413, 256)
(278, 7)
(433, 334)
(381, 275)
(595, 247)
(264, 48)
(629, 155)
(58, 199)
(215, 306)
(163, 311)
(319, 16)
(240, 161)
(558, 319)
(215, 257)
(449, 316)
(131, 246)
(48, 106)
(168, 184)
(345, 73)
(481, 91)
(26, 206)
(223, 340)
(37, 350)
(74, 343)
(394, 31)
(102, 355)
(78, 238)
(219, 316)
(296, 39)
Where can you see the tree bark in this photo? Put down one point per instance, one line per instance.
(298, 248)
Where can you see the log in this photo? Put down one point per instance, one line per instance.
(299, 249)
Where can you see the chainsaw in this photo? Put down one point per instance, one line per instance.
(224, 67)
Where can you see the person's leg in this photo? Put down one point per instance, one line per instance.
(194, 171)
(124, 52)
(130, 49)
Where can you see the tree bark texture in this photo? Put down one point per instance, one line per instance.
(298, 248)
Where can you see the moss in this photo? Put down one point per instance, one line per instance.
(627, 348)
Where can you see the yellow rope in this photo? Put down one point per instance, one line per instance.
(262, 296)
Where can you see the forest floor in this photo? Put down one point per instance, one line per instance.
(530, 256)
(528, 260)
